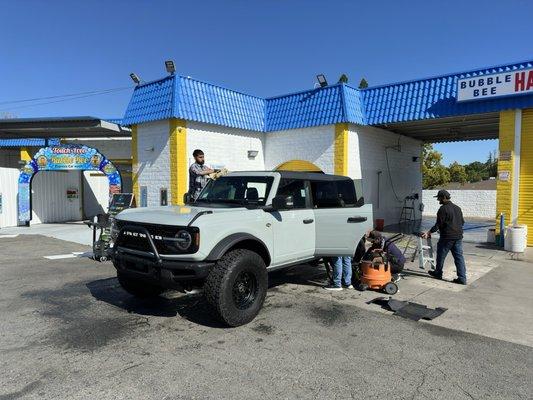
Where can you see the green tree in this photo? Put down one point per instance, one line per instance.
(457, 173)
(363, 84)
(343, 78)
(476, 171)
(434, 174)
(492, 164)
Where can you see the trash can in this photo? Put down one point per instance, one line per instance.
(516, 238)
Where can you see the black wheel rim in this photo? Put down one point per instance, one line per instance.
(244, 290)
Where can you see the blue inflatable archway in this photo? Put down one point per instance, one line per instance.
(62, 158)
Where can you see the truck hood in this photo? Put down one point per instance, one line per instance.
(170, 215)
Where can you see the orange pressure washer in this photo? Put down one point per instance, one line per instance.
(375, 269)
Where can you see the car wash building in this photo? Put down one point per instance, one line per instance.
(60, 169)
(374, 134)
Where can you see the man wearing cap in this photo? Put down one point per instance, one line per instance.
(449, 223)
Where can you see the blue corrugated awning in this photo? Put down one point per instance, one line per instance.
(424, 99)
(28, 142)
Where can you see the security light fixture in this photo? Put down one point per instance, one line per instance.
(135, 78)
(322, 80)
(171, 68)
(252, 153)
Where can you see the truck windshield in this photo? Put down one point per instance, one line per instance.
(239, 190)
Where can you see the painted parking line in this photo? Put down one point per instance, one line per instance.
(76, 254)
(8, 236)
(60, 256)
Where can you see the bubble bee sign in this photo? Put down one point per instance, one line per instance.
(63, 158)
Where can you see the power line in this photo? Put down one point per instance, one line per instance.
(72, 97)
(63, 95)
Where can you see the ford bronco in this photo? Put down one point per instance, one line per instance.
(241, 226)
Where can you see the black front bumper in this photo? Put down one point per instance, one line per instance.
(152, 267)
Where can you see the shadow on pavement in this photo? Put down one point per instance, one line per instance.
(193, 308)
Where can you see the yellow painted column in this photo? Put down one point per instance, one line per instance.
(25, 154)
(178, 160)
(525, 200)
(341, 149)
(135, 165)
(504, 187)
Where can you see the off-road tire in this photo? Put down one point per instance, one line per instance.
(220, 284)
(140, 289)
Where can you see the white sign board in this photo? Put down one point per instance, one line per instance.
(496, 85)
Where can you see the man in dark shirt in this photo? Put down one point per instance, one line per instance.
(449, 223)
(198, 172)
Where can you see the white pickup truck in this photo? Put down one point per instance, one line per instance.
(242, 226)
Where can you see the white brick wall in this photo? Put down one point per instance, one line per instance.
(368, 147)
(474, 203)
(225, 147)
(228, 147)
(314, 144)
(154, 169)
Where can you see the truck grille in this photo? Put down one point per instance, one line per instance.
(140, 243)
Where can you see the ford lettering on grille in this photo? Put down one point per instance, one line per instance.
(141, 235)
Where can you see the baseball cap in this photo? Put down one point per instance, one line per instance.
(443, 193)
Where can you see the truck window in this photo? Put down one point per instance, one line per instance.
(333, 194)
(295, 188)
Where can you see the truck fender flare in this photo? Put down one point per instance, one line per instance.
(230, 241)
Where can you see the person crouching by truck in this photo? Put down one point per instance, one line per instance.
(395, 255)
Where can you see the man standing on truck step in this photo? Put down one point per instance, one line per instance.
(449, 223)
(198, 172)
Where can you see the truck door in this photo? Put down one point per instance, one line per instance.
(340, 223)
(293, 230)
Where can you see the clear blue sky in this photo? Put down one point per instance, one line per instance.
(261, 47)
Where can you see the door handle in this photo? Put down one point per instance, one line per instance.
(353, 220)
(308, 221)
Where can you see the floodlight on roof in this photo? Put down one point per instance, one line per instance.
(135, 78)
(171, 68)
(322, 80)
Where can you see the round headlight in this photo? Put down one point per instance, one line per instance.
(183, 240)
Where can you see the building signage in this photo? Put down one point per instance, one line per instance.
(63, 158)
(496, 85)
(504, 176)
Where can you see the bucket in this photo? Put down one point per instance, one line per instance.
(491, 235)
(516, 238)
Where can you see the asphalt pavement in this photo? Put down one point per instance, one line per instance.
(69, 331)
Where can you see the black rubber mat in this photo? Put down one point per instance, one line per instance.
(409, 310)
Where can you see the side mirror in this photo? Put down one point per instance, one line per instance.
(282, 203)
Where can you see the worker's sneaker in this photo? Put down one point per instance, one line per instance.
(333, 287)
(434, 274)
(459, 281)
(348, 287)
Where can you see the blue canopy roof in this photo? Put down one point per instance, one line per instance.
(181, 97)
(28, 142)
